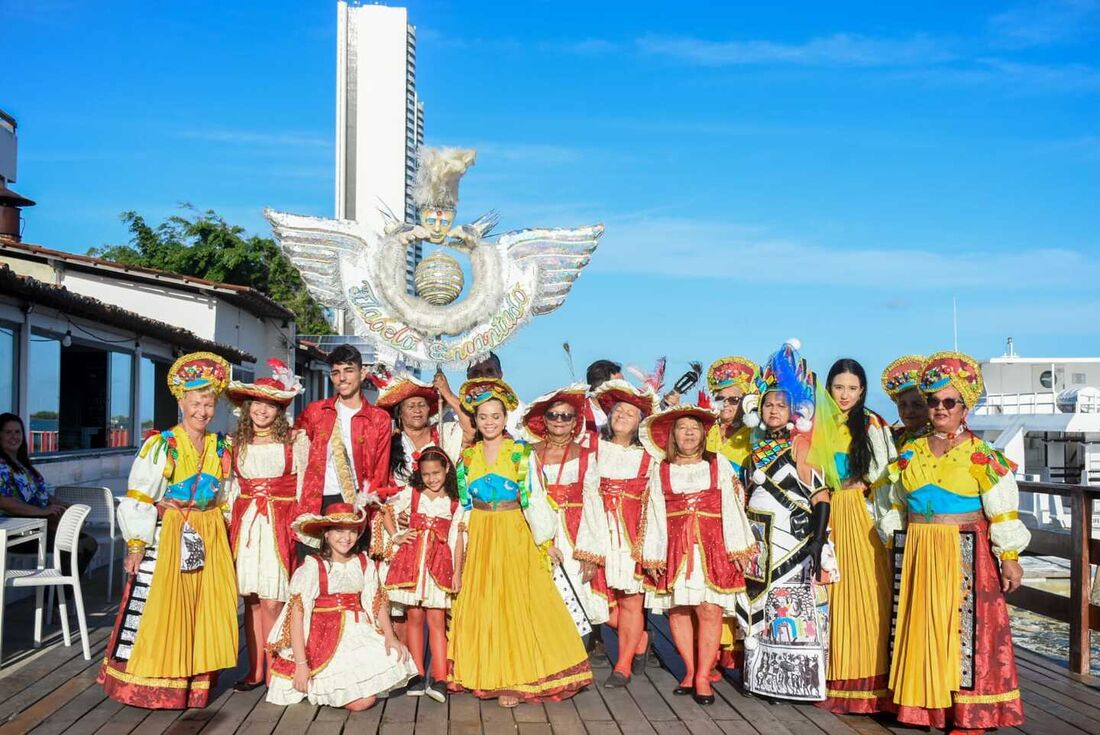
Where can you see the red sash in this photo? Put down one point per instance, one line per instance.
(275, 500)
(569, 496)
(326, 623)
(405, 570)
(696, 519)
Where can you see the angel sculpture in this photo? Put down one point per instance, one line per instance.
(523, 274)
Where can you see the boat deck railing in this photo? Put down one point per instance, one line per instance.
(1081, 550)
(997, 404)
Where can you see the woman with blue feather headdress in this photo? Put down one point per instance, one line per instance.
(788, 508)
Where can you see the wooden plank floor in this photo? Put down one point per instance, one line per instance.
(52, 690)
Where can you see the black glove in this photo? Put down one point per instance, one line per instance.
(819, 530)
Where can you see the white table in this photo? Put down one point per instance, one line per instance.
(14, 531)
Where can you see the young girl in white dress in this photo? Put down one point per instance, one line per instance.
(333, 643)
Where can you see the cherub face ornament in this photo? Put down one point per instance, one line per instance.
(438, 222)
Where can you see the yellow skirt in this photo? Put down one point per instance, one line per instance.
(927, 667)
(859, 603)
(511, 634)
(189, 625)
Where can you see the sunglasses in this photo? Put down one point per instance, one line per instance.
(562, 417)
(948, 403)
(728, 400)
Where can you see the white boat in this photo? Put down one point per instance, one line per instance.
(1044, 414)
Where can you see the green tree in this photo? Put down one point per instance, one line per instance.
(204, 245)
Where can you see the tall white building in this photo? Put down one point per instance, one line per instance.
(379, 118)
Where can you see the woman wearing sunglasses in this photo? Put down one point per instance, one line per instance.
(953, 517)
(567, 472)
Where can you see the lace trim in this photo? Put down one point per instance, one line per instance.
(589, 557)
(283, 642)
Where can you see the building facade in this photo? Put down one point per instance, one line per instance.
(379, 119)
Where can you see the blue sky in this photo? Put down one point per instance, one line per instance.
(835, 172)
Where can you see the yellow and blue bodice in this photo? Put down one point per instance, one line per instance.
(951, 483)
(504, 481)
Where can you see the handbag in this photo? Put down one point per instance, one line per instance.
(192, 548)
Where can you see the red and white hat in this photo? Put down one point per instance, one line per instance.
(337, 515)
(281, 388)
(623, 391)
(403, 388)
(534, 419)
(656, 429)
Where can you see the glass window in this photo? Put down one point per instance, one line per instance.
(9, 367)
(121, 399)
(158, 408)
(44, 393)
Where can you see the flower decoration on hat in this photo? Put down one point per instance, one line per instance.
(404, 387)
(786, 371)
(281, 388)
(656, 429)
(534, 418)
(479, 390)
(198, 371)
(733, 371)
(956, 370)
(337, 515)
(902, 374)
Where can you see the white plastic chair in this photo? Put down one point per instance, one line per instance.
(102, 502)
(66, 538)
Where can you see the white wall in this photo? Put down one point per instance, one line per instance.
(194, 312)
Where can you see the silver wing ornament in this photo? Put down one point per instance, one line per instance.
(523, 274)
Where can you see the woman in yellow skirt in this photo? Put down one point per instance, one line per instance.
(954, 515)
(854, 446)
(512, 637)
(177, 622)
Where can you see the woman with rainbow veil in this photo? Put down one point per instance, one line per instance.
(788, 509)
(512, 637)
(854, 446)
(953, 521)
(177, 622)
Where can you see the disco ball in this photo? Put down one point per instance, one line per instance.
(439, 279)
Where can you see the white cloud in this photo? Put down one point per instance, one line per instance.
(839, 49)
(537, 154)
(685, 248)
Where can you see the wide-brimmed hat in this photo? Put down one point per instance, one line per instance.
(403, 388)
(477, 391)
(902, 374)
(534, 418)
(955, 369)
(337, 515)
(281, 388)
(656, 429)
(198, 371)
(623, 391)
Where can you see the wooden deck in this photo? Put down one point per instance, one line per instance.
(52, 690)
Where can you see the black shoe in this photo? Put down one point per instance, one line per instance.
(416, 686)
(637, 666)
(616, 681)
(437, 690)
(703, 699)
(683, 691)
(597, 655)
(245, 686)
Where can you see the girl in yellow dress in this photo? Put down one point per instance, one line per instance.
(512, 637)
(177, 622)
(855, 447)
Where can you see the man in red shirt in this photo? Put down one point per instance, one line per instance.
(349, 452)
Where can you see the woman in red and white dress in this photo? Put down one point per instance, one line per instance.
(698, 536)
(613, 521)
(567, 471)
(267, 463)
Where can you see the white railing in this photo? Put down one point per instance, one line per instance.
(995, 404)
